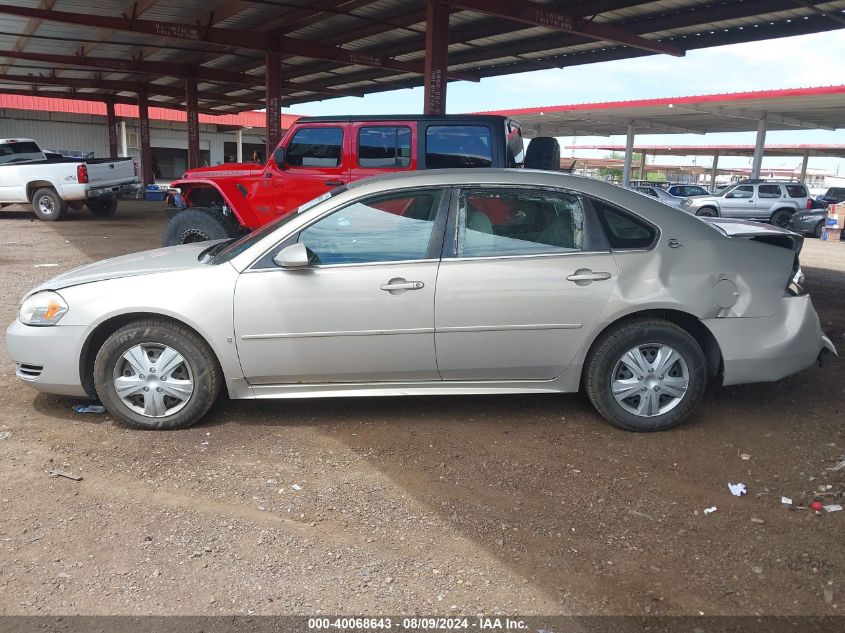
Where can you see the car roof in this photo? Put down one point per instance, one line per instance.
(403, 117)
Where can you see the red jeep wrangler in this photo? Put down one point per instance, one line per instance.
(318, 154)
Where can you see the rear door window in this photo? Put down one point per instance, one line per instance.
(384, 147)
(769, 191)
(448, 146)
(316, 147)
(796, 191)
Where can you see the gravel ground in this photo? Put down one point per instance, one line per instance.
(529, 505)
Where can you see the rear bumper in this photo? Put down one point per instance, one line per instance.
(113, 190)
(765, 349)
(805, 226)
(47, 358)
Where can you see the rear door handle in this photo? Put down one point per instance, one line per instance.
(334, 183)
(399, 285)
(584, 276)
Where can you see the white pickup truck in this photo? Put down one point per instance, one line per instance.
(52, 183)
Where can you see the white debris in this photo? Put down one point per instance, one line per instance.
(786, 501)
(737, 490)
(744, 457)
(838, 466)
(833, 507)
(296, 487)
(710, 510)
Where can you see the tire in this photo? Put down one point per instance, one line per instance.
(781, 218)
(48, 205)
(104, 208)
(197, 378)
(543, 153)
(605, 365)
(817, 232)
(707, 212)
(198, 225)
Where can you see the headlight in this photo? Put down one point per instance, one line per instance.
(42, 308)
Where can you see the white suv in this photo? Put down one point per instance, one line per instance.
(769, 200)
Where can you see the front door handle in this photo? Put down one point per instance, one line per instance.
(398, 285)
(585, 276)
(334, 183)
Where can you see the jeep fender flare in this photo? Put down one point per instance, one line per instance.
(240, 209)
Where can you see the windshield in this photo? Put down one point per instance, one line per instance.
(224, 251)
(16, 152)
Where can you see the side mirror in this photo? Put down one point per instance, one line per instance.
(279, 157)
(293, 256)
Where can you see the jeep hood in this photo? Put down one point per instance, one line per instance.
(144, 263)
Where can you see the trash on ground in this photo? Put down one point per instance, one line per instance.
(838, 466)
(757, 521)
(710, 510)
(833, 507)
(744, 456)
(816, 506)
(296, 487)
(46, 265)
(61, 473)
(786, 501)
(5, 435)
(89, 408)
(737, 490)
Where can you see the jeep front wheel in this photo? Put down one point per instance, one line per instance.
(197, 225)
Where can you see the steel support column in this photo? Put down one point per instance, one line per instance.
(642, 166)
(273, 99)
(111, 123)
(804, 162)
(192, 110)
(147, 176)
(436, 56)
(629, 156)
(759, 148)
(239, 143)
(124, 144)
(713, 169)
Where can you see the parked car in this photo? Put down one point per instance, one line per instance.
(318, 154)
(660, 194)
(768, 200)
(810, 221)
(539, 287)
(834, 195)
(53, 182)
(686, 191)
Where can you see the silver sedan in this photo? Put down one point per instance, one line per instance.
(439, 282)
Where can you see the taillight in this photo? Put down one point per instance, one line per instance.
(809, 203)
(82, 174)
(135, 164)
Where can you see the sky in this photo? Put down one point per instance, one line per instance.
(791, 62)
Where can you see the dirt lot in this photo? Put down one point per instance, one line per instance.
(529, 505)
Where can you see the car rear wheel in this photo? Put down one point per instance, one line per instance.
(198, 225)
(781, 218)
(104, 208)
(646, 375)
(48, 205)
(153, 374)
(707, 212)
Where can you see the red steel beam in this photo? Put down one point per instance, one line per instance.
(273, 100)
(536, 14)
(436, 56)
(91, 97)
(147, 177)
(111, 123)
(193, 122)
(225, 37)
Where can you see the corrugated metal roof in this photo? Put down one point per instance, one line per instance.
(482, 45)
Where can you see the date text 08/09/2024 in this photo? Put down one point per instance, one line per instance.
(481, 623)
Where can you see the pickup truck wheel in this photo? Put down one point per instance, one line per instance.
(197, 225)
(102, 208)
(707, 212)
(819, 229)
(543, 153)
(48, 205)
(781, 218)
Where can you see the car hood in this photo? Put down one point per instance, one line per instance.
(143, 263)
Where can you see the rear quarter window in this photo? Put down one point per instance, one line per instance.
(623, 230)
(796, 191)
(449, 146)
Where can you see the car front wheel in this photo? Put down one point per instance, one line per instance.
(707, 212)
(646, 375)
(155, 374)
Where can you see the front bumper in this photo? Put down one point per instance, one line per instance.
(47, 358)
(764, 349)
